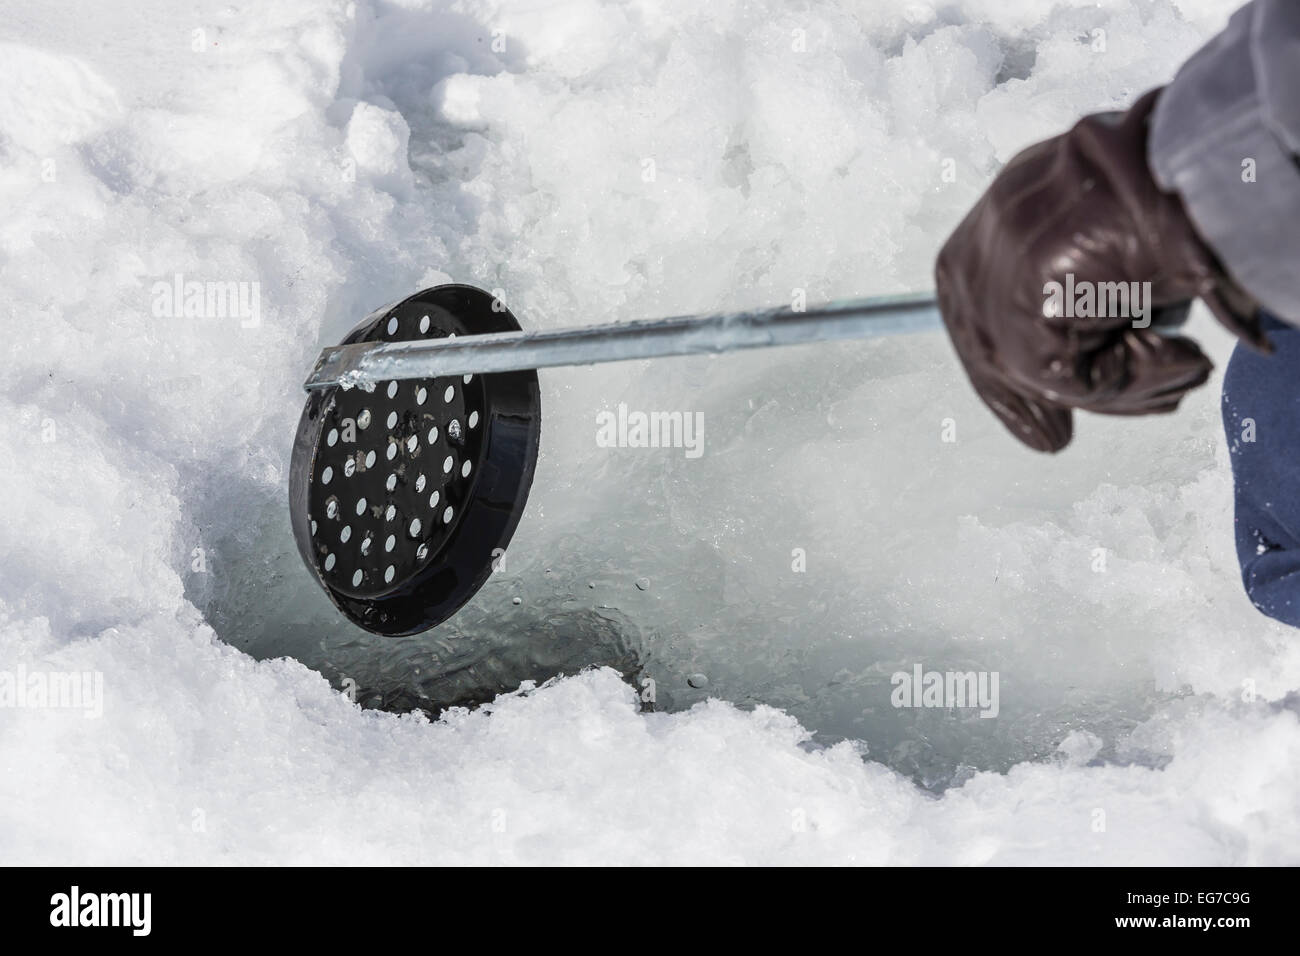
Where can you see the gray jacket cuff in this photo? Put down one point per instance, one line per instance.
(1226, 135)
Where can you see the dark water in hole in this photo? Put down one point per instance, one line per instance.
(666, 569)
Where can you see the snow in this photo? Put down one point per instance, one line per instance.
(597, 162)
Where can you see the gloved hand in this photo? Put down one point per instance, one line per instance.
(1083, 203)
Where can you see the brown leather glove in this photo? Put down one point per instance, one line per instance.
(1082, 205)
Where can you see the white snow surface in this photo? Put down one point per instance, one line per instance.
(344, 154)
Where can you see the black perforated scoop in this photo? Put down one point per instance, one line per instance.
(401, 497)
(403, 493)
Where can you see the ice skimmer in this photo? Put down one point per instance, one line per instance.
(416, 449)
